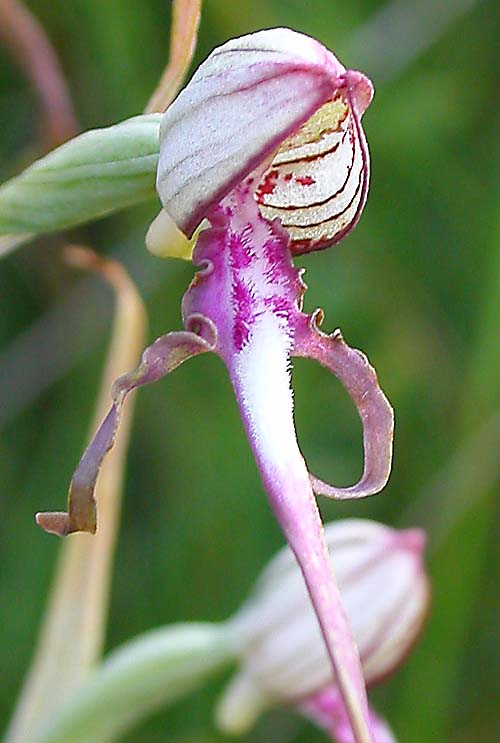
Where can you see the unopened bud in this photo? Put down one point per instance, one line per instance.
(385, 592)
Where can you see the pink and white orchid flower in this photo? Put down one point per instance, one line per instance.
(386, 594)
(266, 143)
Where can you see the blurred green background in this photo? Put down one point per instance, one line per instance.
(416, 286)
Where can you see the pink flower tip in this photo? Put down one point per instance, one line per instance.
(412, 540)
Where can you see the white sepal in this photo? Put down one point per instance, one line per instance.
(241, 104)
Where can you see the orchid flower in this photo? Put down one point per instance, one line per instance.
(266, 144)
(386, 595)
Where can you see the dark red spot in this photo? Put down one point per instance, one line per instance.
(268, 185)
(305, 180)
(288, 177)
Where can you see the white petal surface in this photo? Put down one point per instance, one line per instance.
(241, 104)
(385, 593)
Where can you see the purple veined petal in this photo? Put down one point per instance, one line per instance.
(397, 626)
(162, 357)
(327, 710)
(360, 380)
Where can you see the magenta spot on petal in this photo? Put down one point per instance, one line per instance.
(279, 305)
(240, 248)
(288, 177)
(244, 312)
(275, 258)
(274, 251)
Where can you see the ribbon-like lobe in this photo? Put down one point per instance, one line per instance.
(356, 374)
(162, 357)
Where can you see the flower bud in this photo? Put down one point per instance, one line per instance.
(385, 592)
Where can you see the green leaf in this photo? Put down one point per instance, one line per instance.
(141, 676)
(96, 173)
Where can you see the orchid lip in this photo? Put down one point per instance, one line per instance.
(260, 327)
